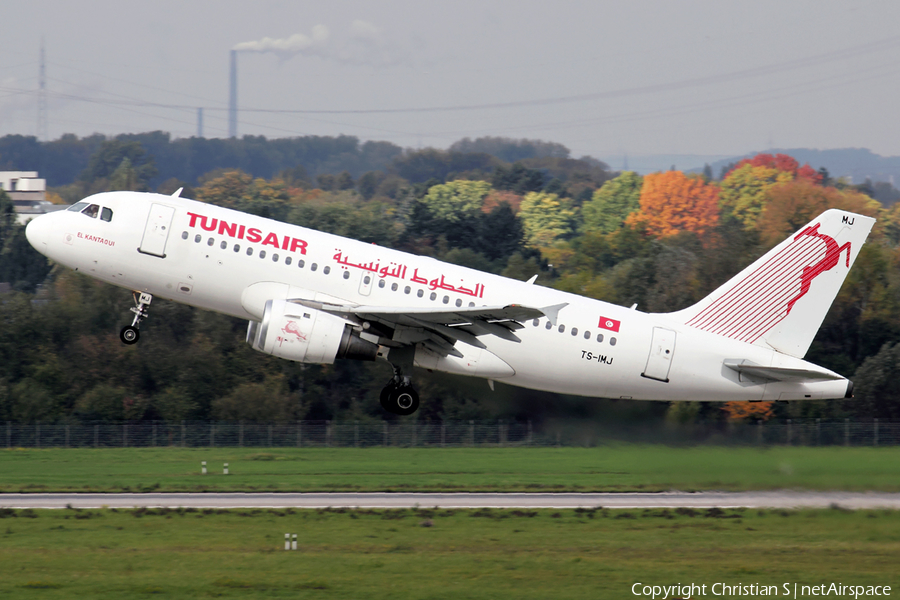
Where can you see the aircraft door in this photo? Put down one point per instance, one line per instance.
(156, 233)
(365, 283)
(662, 349)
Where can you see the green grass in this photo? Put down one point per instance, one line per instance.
(423, 553)
(606, 468)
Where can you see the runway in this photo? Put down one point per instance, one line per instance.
(698, 500)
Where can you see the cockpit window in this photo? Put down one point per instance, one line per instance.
(106, 214)
(91, 211)
(77, 206)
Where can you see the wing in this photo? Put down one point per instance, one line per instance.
(437, 329)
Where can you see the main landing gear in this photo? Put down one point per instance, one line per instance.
(398, 396)
(130, 334)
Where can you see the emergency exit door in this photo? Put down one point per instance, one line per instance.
(662, 349)
(156, 233)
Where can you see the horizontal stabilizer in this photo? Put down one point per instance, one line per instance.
(751, 369)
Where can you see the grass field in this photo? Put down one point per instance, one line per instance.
(435, 554)
(605, 468)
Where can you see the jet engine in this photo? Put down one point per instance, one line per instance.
(306, 335)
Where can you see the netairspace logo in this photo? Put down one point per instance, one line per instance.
(795, 590)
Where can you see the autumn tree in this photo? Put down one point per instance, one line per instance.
(743, 192)
(739, 411)
(611, 204)
(546, 218)
(792, 205)
(784, 163)
(672, 202)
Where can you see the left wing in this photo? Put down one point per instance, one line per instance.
(437, 329)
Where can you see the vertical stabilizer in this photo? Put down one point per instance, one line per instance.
(781, 299)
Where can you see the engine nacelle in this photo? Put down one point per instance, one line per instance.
(306, 335)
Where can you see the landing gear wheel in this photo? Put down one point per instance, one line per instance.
(405, 400)
(129, 335)
(400, 400)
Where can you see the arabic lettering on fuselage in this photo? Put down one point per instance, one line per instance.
(251, 234)
(397, 270)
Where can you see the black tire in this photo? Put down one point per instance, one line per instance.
(386, 397)
(404, 400)
(129, 335)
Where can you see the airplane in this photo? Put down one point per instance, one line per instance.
(314, 297)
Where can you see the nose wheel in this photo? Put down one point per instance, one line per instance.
(130, 334)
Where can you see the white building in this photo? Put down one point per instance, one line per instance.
(28, 193)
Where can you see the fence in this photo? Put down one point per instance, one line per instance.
(410, 433)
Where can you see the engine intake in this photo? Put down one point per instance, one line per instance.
(306, 335)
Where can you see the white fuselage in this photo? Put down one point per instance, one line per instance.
(232, 262)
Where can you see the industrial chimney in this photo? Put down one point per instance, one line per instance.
(232, 97)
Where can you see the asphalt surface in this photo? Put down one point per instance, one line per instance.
(764, 499)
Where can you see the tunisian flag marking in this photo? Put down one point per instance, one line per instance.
(610, 324)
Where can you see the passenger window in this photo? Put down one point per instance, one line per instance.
(262, 253)
(394, 287)
(420, 293)
(446, 299)
(407, 290)
(535, 322)
(612, 341)
(313, 267)
(574, 331)
(223, 245)
(250, 251)
(459, 302)
(91, 211)
(237, 247)
(106, 214)
(562, 328)
(274, 258)
(184, 235)
(549, 325)
(346, 274)
(471, 304)
(287, 260)
(600, 337)
(381, 283)
(301, 263)
(210, 242)
(587, 335)
(197, 238)
(326, 270)
(433, 296)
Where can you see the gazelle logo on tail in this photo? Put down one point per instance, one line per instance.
(750, 305)
(828, 262)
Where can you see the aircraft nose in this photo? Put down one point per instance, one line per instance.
(37, 231)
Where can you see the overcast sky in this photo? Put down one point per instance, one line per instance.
(706, 77)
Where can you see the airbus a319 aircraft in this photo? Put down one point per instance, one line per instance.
(313, 297)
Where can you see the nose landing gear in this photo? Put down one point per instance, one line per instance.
(130, 334)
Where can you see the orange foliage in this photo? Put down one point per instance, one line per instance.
(496, 197)
(738, 411)
(792, 205)
(672, 202)
(781, 162)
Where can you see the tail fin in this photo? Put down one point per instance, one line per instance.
(781, 299)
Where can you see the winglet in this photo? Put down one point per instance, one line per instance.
(177, 193)
(552, 312)
(533, 279)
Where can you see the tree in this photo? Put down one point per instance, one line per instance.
(456, 200)
(546, 218)
(612, 203)
(518, 179)
(784, 163)
(743, 192)
(672, 202)
(113, 155)
(792, 205)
